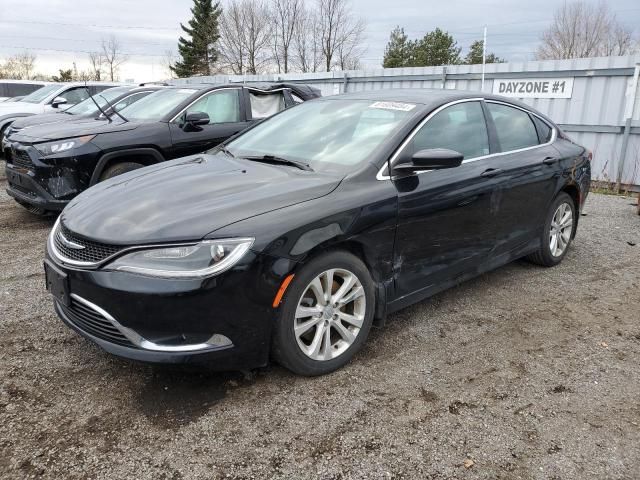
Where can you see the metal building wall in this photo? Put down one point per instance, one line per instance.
(594, 115)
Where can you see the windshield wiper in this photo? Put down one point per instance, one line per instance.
(94, 101)
(223, 149)
(113, 109)
(280, 160)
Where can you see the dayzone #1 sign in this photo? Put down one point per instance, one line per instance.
(533, 87)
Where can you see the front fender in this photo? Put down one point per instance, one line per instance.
(357, 216)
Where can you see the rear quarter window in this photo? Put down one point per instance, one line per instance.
(514, 127)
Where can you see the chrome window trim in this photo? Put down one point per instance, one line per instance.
(203, 96)
(554, 134)
(215, 341)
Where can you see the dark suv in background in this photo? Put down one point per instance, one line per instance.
(48, 165)
(92, 107)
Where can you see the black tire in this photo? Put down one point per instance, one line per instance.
(119, 169)
(544, 256)
(285, 348)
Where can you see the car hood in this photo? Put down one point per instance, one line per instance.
(76, 128)
(187, 198)
(12, 108)
(42, 119)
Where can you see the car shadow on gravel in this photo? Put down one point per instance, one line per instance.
(171, 397)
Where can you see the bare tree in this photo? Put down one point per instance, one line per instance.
(306, 54)
(168, 61)
(581, 29)
(96, 62)
(286, 15)
(19, 67)
(113, 56)
(245, 38)
(338, 28)
(619, 41)
(351, 49)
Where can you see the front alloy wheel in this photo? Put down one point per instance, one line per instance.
(330, 314)
(325, 315)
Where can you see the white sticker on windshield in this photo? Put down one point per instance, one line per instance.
(404, 107)
(186, 90)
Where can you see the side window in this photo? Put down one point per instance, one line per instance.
(75, 95)
(129, 100)
(460, 127)
(265, 105)
(544, 130)
(514, 127)
(222, 106)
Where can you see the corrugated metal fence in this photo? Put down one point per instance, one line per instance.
(600, 111)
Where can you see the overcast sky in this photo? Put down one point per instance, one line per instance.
(60, 32)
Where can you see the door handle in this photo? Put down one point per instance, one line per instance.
(491, 172)
(550, 160)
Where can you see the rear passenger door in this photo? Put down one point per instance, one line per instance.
(265, 104)
(526, 183)
(226, 118)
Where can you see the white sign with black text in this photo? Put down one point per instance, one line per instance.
(534, 87)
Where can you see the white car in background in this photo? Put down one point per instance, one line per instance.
(50, 98)
(10, 89)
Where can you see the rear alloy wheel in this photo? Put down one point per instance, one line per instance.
(558, 232)
(326, 316)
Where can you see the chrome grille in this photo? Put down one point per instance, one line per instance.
(93, 323)
(21, 159)
(91, 252)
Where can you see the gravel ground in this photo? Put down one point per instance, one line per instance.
(522, 373)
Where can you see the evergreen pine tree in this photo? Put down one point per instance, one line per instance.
(199, 52)
(435, 48)
(397, 53)
(474, 56)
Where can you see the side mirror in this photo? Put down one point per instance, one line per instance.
(58, 101)
(194, 120)
(431, 159)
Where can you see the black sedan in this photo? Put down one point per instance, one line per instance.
(293, 239)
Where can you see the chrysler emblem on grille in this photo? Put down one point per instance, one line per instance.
(68, 243)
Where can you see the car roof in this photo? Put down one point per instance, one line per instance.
(430, 97)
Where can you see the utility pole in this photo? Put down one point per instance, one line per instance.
(484, 56)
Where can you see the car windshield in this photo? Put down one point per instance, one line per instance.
(158, 104)
(88, 107)
(40, 94)
(330, 135)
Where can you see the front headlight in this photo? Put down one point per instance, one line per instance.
(201, 260)
(59, 146)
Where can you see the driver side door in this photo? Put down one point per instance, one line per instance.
(446, 218)
(226, 118)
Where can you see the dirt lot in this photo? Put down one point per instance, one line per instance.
(523, 373)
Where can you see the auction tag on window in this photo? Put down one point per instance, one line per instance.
(187, 90)
(404, 107)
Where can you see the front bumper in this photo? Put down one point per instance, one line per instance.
(224, 321)
(24, 188)
(47, 184)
